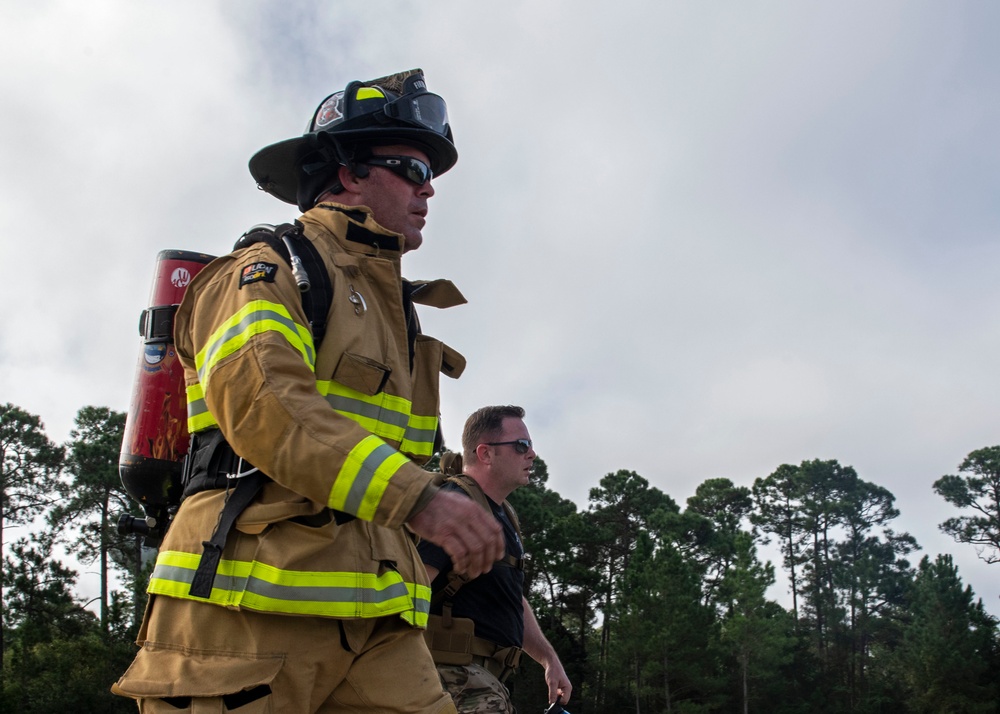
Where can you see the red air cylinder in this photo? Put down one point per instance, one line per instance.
(156, 435)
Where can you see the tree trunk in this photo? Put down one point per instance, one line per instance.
(638, 707)
(666, 681)
(3, 602)
(104, 565)
(744, 666)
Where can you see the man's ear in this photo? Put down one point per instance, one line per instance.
(348, 179)
(484, 454)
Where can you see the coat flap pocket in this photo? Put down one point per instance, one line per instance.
(452, 363)
(166, 672)
(437, 293)
(362, 374)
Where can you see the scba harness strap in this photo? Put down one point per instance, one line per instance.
(307, 266)
(211, 461)
(452, 640)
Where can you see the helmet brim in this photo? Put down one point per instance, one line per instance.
(276, 170)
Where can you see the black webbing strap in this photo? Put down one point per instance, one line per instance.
(238, 499)
(451, 466)
(317, 298)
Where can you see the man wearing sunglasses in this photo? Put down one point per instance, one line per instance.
(479, 627)
(289, 580)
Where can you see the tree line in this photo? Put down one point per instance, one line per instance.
(653, 607)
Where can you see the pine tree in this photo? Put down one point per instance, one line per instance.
(94, 495)
(31, 463)
(947, 660)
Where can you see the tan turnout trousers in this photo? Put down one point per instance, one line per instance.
(254, 663)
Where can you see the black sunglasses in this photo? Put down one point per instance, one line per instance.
(408, 167)
(521, 446)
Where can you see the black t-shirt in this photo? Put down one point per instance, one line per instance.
(493, 600)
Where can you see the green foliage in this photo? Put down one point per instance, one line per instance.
(38, 594)
(557, 580)
(777, 511)
(31, 463)
(662, 652)
(93, 496)
(68, 674)
(724, 507)
(947, 660)
(977, 491)
(56, 659)
(652, 609)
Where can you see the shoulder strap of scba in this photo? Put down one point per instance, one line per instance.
(311, 275)
(451, 467)
(316, 287)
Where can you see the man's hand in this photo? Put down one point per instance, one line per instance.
(470, 535)
(557, 682)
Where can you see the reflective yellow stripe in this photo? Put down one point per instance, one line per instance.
(263, 587)
(362, 479)
(414, 434)
(199, 418)
(384, 415)
(255, 318)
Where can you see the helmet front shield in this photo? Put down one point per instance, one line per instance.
(424, 110)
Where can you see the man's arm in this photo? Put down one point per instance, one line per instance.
(541, 650)
(470, 536)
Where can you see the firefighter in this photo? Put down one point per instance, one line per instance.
(288, 580)
(479, 627)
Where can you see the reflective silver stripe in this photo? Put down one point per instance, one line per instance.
(370, 411)
(420, 436)
(392, 418)
(197, 408)
(359, 486)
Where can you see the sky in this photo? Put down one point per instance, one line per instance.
(698, 240)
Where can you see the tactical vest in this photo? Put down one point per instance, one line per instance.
(452, 640)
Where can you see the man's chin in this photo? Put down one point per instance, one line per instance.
(412, 242)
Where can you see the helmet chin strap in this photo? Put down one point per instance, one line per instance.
(329, 152)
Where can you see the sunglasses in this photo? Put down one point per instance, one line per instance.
(521, 446)
(408, 167)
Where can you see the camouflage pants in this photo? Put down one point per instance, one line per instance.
(474, 690)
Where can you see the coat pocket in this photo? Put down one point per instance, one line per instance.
(361, 374)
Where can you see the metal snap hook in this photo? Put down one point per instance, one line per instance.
(358, 300)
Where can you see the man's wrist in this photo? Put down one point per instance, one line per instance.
(427, 495)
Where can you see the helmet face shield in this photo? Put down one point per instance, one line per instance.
(424, 110)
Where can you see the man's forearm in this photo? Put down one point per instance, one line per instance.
(535, 643)
(541, 650)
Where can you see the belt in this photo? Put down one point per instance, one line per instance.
(501, 664)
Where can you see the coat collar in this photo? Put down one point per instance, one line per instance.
(355, 229)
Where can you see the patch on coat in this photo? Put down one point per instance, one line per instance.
(258, 271)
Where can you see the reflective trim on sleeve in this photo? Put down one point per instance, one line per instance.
(384, 415)
(262, 587)
(199, 418)
(362, 480)
(255, 318)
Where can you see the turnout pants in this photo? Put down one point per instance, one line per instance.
(202, 658)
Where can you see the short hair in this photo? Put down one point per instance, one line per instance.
(483, 425)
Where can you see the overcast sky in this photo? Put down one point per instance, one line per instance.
(698, 240)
